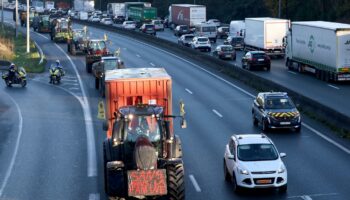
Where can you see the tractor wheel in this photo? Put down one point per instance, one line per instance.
(176, 182)
(97, 83)
(105, 167)
(68, 48)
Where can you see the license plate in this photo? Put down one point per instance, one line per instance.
(147, 182)
(264, 181)
(261, 59)
(285, 123)
(228, 56)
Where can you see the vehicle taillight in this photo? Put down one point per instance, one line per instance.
(98, 52)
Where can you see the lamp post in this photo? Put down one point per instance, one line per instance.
(16, 15)
(28, 26)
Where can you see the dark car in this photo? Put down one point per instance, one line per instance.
(148, 29)
(118, 19)
(185, 40)
(225, 52)
(274, 110)
(223, 32)
(257, 60)
(235, 42)
(181, 29)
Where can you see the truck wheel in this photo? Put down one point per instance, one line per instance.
(176, 182)
(265, 126)
(97, 83)
(105, 167)
(236, 187)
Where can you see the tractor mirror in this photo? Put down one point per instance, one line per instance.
(183, 123)
(105, 126)
(182, 114)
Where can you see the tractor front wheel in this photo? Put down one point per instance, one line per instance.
(176, 181)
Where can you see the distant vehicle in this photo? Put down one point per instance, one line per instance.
(186, 14)
(128, 5)
(215, 21)
(142, 14)
(185, 40)
(256, 59)
(118, 19)
(181, 29)
(94, 19)
(225, 52)
(235, 42)
(275, 110)
(206, 30)
(237, 28)
(130, 25)
(223, 32)
(117, 10)
(49, 5)
(148, 29)
(78, 43)
(83, 15)
(106, 21)
(252, 161)
(266, 34)
(320, 48)
(96, 49)
(201, 43)
(159, 26)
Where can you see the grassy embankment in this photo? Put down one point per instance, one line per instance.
(14, 49)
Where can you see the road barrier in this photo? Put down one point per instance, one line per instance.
(307, 105)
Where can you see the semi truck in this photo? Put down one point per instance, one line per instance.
(142, 14)
(142, 154)
(134, 4)
(321, 48)
(187, 14)
(266, 34)
(116, 9)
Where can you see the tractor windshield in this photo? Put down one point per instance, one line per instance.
(98, 45)
(110, 64)
(78, 34)
(143, 125)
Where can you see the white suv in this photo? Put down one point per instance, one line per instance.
(252, 161)
(201, 43)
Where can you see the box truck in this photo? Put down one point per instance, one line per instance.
(142, 14)
(116, 9)
(187, 14)
(142, 156)
(322, 48)
(265, 34)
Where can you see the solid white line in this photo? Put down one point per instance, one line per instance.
(70, 84)
(346, 150)
(40, 52)
(153, 65)
(71, 80)
(292, 72)
(12, 163)
(74, 88)
(94, 196)
(214, 75)
(306, 197)
(195, 184)
(92, 161)
(332, 86)
(189, 91)
(217, 113)
(138, 55)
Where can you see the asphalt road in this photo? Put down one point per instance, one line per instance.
(55, 150)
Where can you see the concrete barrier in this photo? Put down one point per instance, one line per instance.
(306, 104)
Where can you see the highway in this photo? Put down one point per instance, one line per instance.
(57, 158)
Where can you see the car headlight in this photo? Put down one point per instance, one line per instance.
(281, 170)
(243, 171)
(268, 119)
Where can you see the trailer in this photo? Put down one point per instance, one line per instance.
(187, 14)
(116, 9)
(142, 14)
(265, 34)
(321, 48)
(134, 4)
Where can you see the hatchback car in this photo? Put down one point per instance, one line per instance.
(130, 25)
(148, 29)
(252, 161)
(94, 19)
(106, 21)
(223, 32)
(225, 52)
(201, 43)
(235, 42)
(275, 110)
(256, 59)
(185, 40)
(158, 25)
(181, 29)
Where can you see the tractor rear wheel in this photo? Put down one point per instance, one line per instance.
(176, 181)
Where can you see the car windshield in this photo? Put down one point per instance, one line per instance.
(209, 29)
(143, 125)
(225, 29)
(259, 55)
(278, 103)
(202, 39)
(98, 45)
(226, 48)
(256, 152)
(110, 64)
(190, 37)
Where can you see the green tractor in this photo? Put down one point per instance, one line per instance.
(44, 24)
(61, 30)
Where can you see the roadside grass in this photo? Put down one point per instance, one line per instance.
(18, 54)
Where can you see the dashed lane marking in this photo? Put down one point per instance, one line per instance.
(194, 183)
(292, 72)
(153, 65)
(217, 113)
(332, 86)
(94, 196)
(189, 91)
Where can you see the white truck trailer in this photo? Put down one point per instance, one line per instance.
(265, 34)
(187, 14)
(116, 9)
(322, 48)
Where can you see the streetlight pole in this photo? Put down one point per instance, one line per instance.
(28, 26)
(16, 15)
(2, 13)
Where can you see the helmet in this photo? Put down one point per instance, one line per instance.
(58, 62)
(12, 66)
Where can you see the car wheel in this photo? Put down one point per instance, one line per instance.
(249, 67)
(236, 187)
(268, 67)
(283, 189)
(297, 130)
(265, 126)
(226, 174)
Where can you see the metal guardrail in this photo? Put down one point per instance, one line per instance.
(306, 104)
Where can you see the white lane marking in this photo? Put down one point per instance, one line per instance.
(346, 150)
(292, 72)
(153, 65)
(125, 48)
(41, 52)
(217, 113)
(305, 197)
(332, 86)
(71, 80)
(70, 84)
(94, 196)
(218, 77)
(14, 155)
(137, 55)
(92, 161)
(312, 195)
(189, 91)
(195, 184)
(74, 88)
